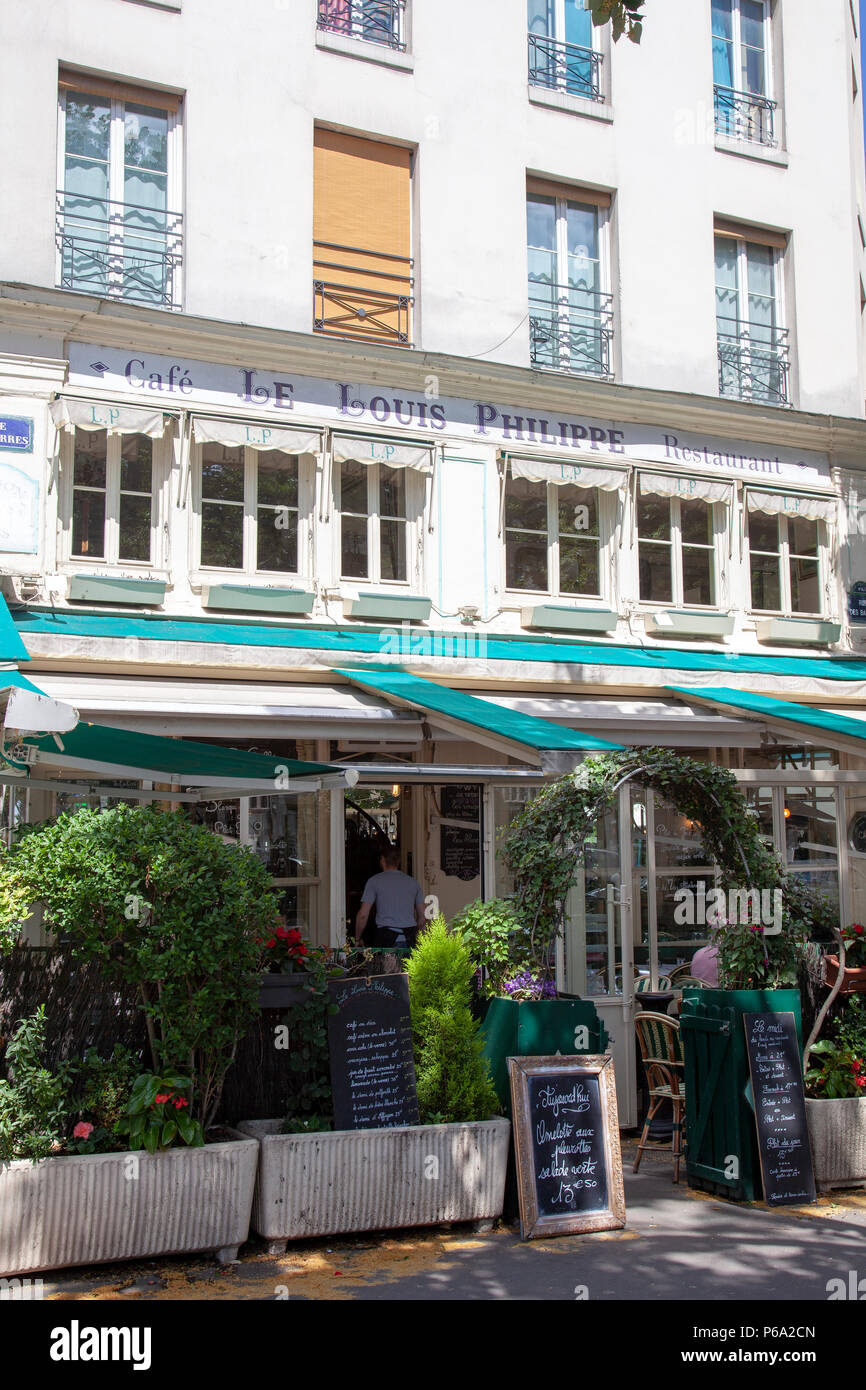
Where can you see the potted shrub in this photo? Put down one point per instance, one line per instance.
(164, 905)
(854, 967)
(317, 1181)
(283, 980)
(836, 1098)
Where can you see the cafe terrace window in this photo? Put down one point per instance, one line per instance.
(557, 526)
(379, 496)
(787, 539)
(254, 493)
(113, 459)
(677, 522)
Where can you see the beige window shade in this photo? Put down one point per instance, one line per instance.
(724, 226)
(118, 91)
(547, 188)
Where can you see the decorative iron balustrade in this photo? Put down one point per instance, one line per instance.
(366, 297)
(119, 250)
(377, 21)
(571, 330)
(754, 363)
(565, 67)
(744, 116)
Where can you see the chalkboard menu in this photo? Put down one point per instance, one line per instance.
(566, 1139)
(370, 1046)
(460, 852)
(780, 1108)
(461, 801)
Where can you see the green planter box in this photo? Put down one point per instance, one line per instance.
(537, 1028)
(721, 1137)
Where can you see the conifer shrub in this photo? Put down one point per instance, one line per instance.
(452, 1074)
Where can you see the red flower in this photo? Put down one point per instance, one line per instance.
(161, 1100)
(270, 943)
(282, 932)
(179, 1103)
(860, 1081)
(857, 929)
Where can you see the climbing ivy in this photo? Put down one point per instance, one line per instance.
(545, 843)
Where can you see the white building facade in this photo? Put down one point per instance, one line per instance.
(362, 356)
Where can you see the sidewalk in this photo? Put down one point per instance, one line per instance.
(678, 1245)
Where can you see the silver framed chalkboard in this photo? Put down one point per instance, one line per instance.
(566, 1141)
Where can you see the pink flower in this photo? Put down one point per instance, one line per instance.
(82, 1130)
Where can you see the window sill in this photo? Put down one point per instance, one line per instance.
(798, 631)
(366, 50)
(685, 622)
(559, 617)
(254, 598)
(388, 606)
(105, 588)
(751, 149)
(569, 101)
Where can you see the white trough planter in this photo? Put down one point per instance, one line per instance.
(95, 1208)
(376, 1179)
(837, 1135)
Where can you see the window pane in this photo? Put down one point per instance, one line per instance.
(578, 567)
(90, 451)
(526, 505)
(654, 518)
(541, 242)
(805, 586)
(353, 547)
(222, 473)
(88, 124)
(727, 303)
(540, 17)
(277, 475)
(277, 539)
(145, 138)
(88, 524)
(766, 583)
(392, 491)
(698, 585)
(810, 826)
(577, 509)
(526, 540)
(802, 536)
(525, 562)
(222, 536)
(136, 463)
(654, 562)
(134, 538)
(353, 487)
(723, 48)
(763, 532)
(392, 543)
(578, 24)
(696, 522)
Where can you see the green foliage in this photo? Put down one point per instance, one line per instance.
(33, 1103)
(163, 904)
(452, 1075)
(490, 931)
(14, 908)
(841, 1072)
(100, 1093)
(543, 845)
(307, 1024)
(157, 1115)
(314, 1124)
(624, 16)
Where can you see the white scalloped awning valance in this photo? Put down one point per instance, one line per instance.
(362, 449)
(68, 413)
(246, 434)
(792, 504)
(692, 489)
(561, 474)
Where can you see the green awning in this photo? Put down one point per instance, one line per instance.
(550, 746)
(839, 731)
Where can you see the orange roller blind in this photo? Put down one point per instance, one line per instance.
(726, 226)
(362, 194)
(121, 91)
(573, 193)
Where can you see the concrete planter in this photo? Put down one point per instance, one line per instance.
(96, 1208)
(376, 1179)
(837, 1134)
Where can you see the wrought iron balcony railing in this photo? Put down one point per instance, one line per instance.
(119, 250)
(364, 295)
(565, 67)
(571, 330)
(744, 116)
(377, 21)
(754, 363)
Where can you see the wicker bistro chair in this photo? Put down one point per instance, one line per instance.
(644, 984)
(678, 972)
(658, 1037)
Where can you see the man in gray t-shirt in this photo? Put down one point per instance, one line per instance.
(399, 903)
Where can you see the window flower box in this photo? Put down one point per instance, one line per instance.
(854, 976)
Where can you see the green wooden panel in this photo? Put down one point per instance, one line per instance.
(536, 1028)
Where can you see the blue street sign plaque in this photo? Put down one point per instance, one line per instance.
(857, 602)
(16, 432)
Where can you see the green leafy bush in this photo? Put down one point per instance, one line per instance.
(452, 1075)
(158, 1114)
(841, 1072)
(307, 1054)
(165, 905)
(490, 931)
(34, 1106)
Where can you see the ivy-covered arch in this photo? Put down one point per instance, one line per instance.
(543, 846)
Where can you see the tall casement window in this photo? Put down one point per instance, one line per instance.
(677, 519)
(742, 70)
(561, 52)
(112, 511)
(249, 510)
(557, 526)
(376, 21)
(119, 233)
(375, 522)
(570, 307)
(787, 551)
(754, 358)
(362, 261)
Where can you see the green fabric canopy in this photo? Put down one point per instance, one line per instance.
(841, 729)
(551, 745)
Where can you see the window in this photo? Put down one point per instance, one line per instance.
(552, 538)
(570, 311)
(752, 344)
(362, 263)
(250, 510)
(785, 563)
(113, 499)
(676, 550)
(375, 504)
(118, 181)
(377, 21)
(561, 54)
(741, 70)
